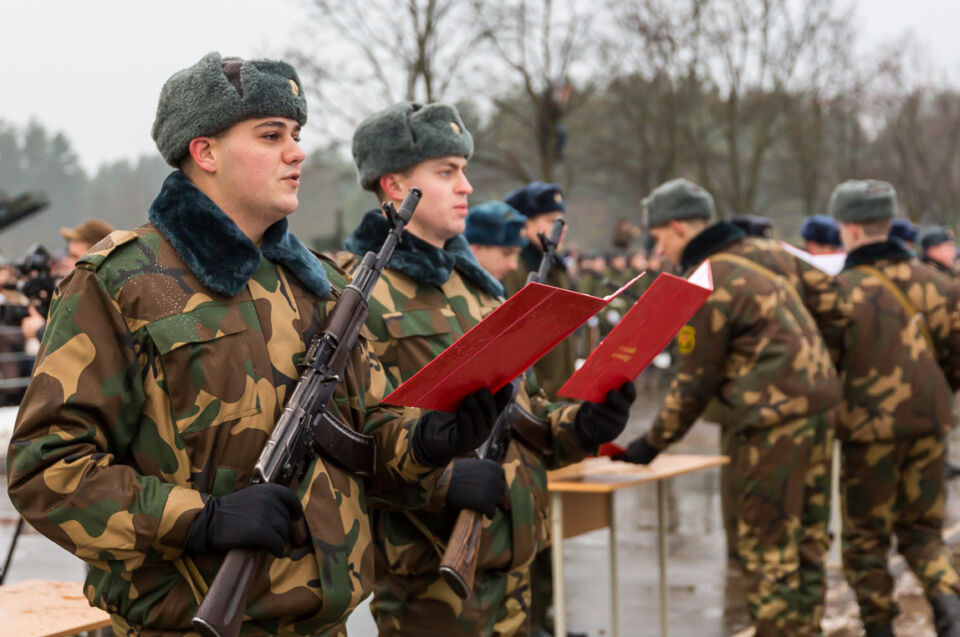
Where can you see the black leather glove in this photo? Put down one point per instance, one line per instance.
(258, 516)
(477, 484)
(601, 422)
(441, 436)
(638, 452)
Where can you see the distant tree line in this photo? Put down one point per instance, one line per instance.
(767, 103)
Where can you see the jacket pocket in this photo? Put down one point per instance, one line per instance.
(207, 370)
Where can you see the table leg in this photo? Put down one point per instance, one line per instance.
(662, 555)
(614, 579)
(559, 607)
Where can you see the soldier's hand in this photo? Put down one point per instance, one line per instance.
(638, 452)
(441, 436)
(477, 484)
(601, 422)
(260, 515)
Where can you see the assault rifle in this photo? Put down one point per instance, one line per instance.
(307, 429)
(459, 564)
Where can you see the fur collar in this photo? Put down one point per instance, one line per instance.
(532, 255)
(217, 251)
(418, 259)
(713, 239)
(890, 250)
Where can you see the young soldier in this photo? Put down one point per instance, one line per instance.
(901, 362)
(431, 293)
(906, 231)
(755, 346)
(496, 233)
(938, 249)
(821, 235)
(166, 363)
(541, 204)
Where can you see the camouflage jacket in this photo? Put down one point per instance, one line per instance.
(162, 372)
(894, 385)
(558, 364)
(754, 344)
(426, 299)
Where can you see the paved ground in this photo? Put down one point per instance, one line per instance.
(704, 594)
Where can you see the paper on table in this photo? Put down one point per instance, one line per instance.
(500, 347)
(640, 335)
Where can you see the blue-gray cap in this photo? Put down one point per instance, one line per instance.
(677, 200)
(536, 198)
(821, 229)
(495, 223)
(934, 236)
(904, 230)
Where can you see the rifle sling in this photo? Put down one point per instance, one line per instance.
(355, 452)
(908, 307)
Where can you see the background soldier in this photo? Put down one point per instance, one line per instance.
(166, 363)
(431, 293)
(901, 359)
(905, 231)
(821, 235)
(541, 204)
(938, 249)
(496, 233)
(80, 239)
(755, 346)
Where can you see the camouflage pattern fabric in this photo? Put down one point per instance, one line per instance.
(898, 405)
(412, 322)
(782, 479)
(752, 345)
(558, 364)
(894, 386)
(757, 348)
(894, 489)
(151, 392)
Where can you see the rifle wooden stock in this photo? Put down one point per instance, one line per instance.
(459, 564)
(221, 612)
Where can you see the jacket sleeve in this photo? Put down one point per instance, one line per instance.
(565, 449)
(66, 465)
(830, 309)
(703, 345)
(950, 349)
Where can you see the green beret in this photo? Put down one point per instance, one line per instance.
(859, 201)
(405, 134)
(216, 93)
(677, 200)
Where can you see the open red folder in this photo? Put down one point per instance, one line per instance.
(500, 347)
(640, 335)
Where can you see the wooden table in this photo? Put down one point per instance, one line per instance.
(582, 499)
(42, 608)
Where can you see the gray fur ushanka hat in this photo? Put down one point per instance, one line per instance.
(405, 134)
(216, 93)
(677, 200)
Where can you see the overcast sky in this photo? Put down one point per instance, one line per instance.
(94, 69)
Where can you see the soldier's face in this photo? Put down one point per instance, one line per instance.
(945, 254)
(442, 212)
(497, 260)
(544, 223)
(258, 167)
(671, 240)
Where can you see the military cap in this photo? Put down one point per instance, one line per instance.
(405, 134)
(90, 231)
(216, 93)
(754, 225)
(537, 198)
(495, 223)
(934, 236)
(904, 230)
(821, 229)
(860, 201)
(677, 200)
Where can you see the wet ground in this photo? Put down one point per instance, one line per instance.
(704, 594)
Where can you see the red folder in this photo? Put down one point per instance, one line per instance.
(500, 347)
(640, 335)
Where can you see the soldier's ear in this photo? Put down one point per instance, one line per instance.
(391, 187)
(204, 153)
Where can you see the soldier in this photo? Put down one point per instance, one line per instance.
(168, 356)
(541, 204)
(905, 231)
(755, 346)
(80, 239)
(431, 292)
(496, 233)
(938, 249)
(754, 225)
(901, 361)
(821, 235)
